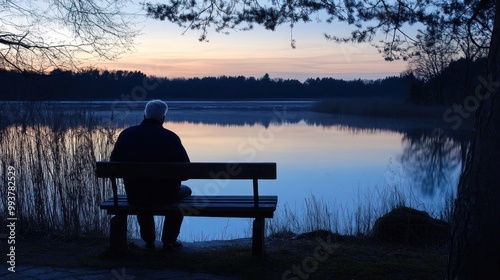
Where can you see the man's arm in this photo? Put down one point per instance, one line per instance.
(184, 154)
(115, 154)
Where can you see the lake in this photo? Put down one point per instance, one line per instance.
(328, 165)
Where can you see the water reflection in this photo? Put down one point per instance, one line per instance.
(431, 159)
(220, 113)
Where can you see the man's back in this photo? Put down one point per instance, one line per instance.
(149, 142)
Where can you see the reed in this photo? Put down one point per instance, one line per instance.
(357, 216)
(54, 154)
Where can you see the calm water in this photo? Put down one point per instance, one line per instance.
(343, 161)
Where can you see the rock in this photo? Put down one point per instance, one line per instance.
(408, 226)
(283, 234)
(315, 234)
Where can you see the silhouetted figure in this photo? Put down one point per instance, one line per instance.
(151, 142)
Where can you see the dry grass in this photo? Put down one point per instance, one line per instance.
(54, 154)
(357, 217)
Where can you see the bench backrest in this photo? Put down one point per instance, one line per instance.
(184, 171)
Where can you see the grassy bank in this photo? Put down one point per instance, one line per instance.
(379, 108)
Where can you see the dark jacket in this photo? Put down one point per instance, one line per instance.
(149, 142)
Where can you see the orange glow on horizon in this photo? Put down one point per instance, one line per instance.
(256, 67)
(163, 52)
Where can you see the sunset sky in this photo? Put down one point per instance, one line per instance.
(162, 50)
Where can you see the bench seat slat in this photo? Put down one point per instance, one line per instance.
(110, 204)
(213, 199)
(199, 206)
(201, 200)
(244, 212)
(209, 206)
(223, 213)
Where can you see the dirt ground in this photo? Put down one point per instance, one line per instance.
(311, 256)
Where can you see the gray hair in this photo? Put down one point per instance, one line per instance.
(155, 109)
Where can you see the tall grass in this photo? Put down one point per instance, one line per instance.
(357, 216)
(54, 154)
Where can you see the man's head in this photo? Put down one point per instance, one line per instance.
(156, 109)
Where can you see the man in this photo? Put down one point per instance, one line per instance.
(150, 142)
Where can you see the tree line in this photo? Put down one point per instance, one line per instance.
(452, 85)
(449, 87)
(94, 84)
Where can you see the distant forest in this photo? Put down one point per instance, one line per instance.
(93, 84)
(452, 85)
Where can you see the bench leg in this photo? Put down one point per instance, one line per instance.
(118, 235)
(258, 237)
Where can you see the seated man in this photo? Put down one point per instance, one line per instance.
(150, 142)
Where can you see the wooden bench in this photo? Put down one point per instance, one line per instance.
(237, 206)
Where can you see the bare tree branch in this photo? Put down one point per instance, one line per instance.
(42, 35)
